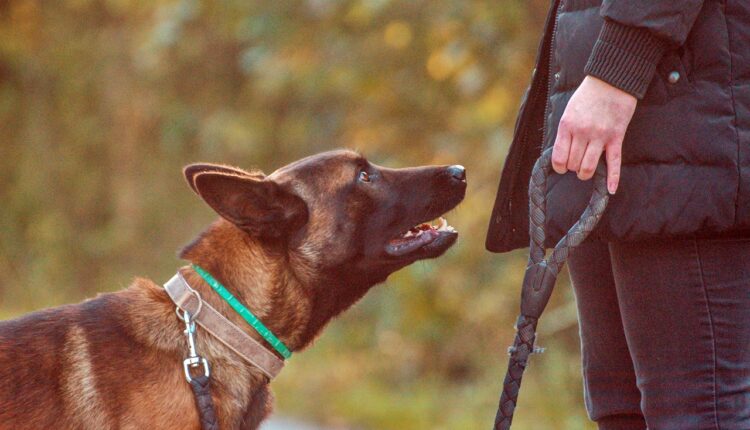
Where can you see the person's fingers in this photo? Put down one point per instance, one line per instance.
(561, 149)
(577, 149)
(590, 160)
(613, 154)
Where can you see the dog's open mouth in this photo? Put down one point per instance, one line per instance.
(422, 236)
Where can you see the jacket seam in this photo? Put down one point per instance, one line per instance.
(638, 163)
(735, 122)
(711, 328)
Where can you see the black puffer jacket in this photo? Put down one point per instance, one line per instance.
(686, 154)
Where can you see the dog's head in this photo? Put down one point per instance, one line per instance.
(342, 222)
(339, 211)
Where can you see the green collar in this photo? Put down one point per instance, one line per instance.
(244, 312)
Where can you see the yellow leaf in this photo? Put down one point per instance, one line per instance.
(398, 34)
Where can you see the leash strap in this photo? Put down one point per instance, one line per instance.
(220, 327)
(204, 402)
(541, 274)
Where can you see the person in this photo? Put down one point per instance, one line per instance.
(660, 90)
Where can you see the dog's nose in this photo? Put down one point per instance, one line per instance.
(457, 171)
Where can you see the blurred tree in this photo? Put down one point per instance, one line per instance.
(103, 101)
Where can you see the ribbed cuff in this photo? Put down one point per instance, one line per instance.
(626, 57)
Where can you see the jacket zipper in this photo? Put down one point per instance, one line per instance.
(551, 80)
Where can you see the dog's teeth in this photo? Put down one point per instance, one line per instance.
(444, 225)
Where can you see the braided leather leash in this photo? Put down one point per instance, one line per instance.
(541, 274)
(201, 386)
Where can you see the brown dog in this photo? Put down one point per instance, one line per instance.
(297, 247)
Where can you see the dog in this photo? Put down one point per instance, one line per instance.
(297, 247)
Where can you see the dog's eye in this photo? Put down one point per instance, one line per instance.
(364, 176)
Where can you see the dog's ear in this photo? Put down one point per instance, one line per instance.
(254, 203)
(193, 170)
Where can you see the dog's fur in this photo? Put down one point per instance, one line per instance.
(297, 247)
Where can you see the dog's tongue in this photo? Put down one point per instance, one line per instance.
(405, 245)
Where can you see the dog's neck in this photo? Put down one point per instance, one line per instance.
(277, 284)
(258, 275)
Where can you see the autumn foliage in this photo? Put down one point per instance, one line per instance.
(103, 102)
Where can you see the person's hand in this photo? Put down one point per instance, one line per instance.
(594, 121)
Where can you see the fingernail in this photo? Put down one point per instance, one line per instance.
(612, 188)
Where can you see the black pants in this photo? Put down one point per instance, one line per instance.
(665, 333)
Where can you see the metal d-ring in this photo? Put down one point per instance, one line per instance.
(197, 296)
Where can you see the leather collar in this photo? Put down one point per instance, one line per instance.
(220, 327)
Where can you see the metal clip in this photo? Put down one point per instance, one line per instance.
(193, 360)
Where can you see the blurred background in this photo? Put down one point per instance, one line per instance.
(103, 102)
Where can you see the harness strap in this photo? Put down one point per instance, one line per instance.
(541, 274)
(220, 327)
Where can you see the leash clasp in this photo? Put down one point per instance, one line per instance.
(193, 360)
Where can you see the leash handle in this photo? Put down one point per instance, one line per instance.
(541, 274)
(538, 213)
